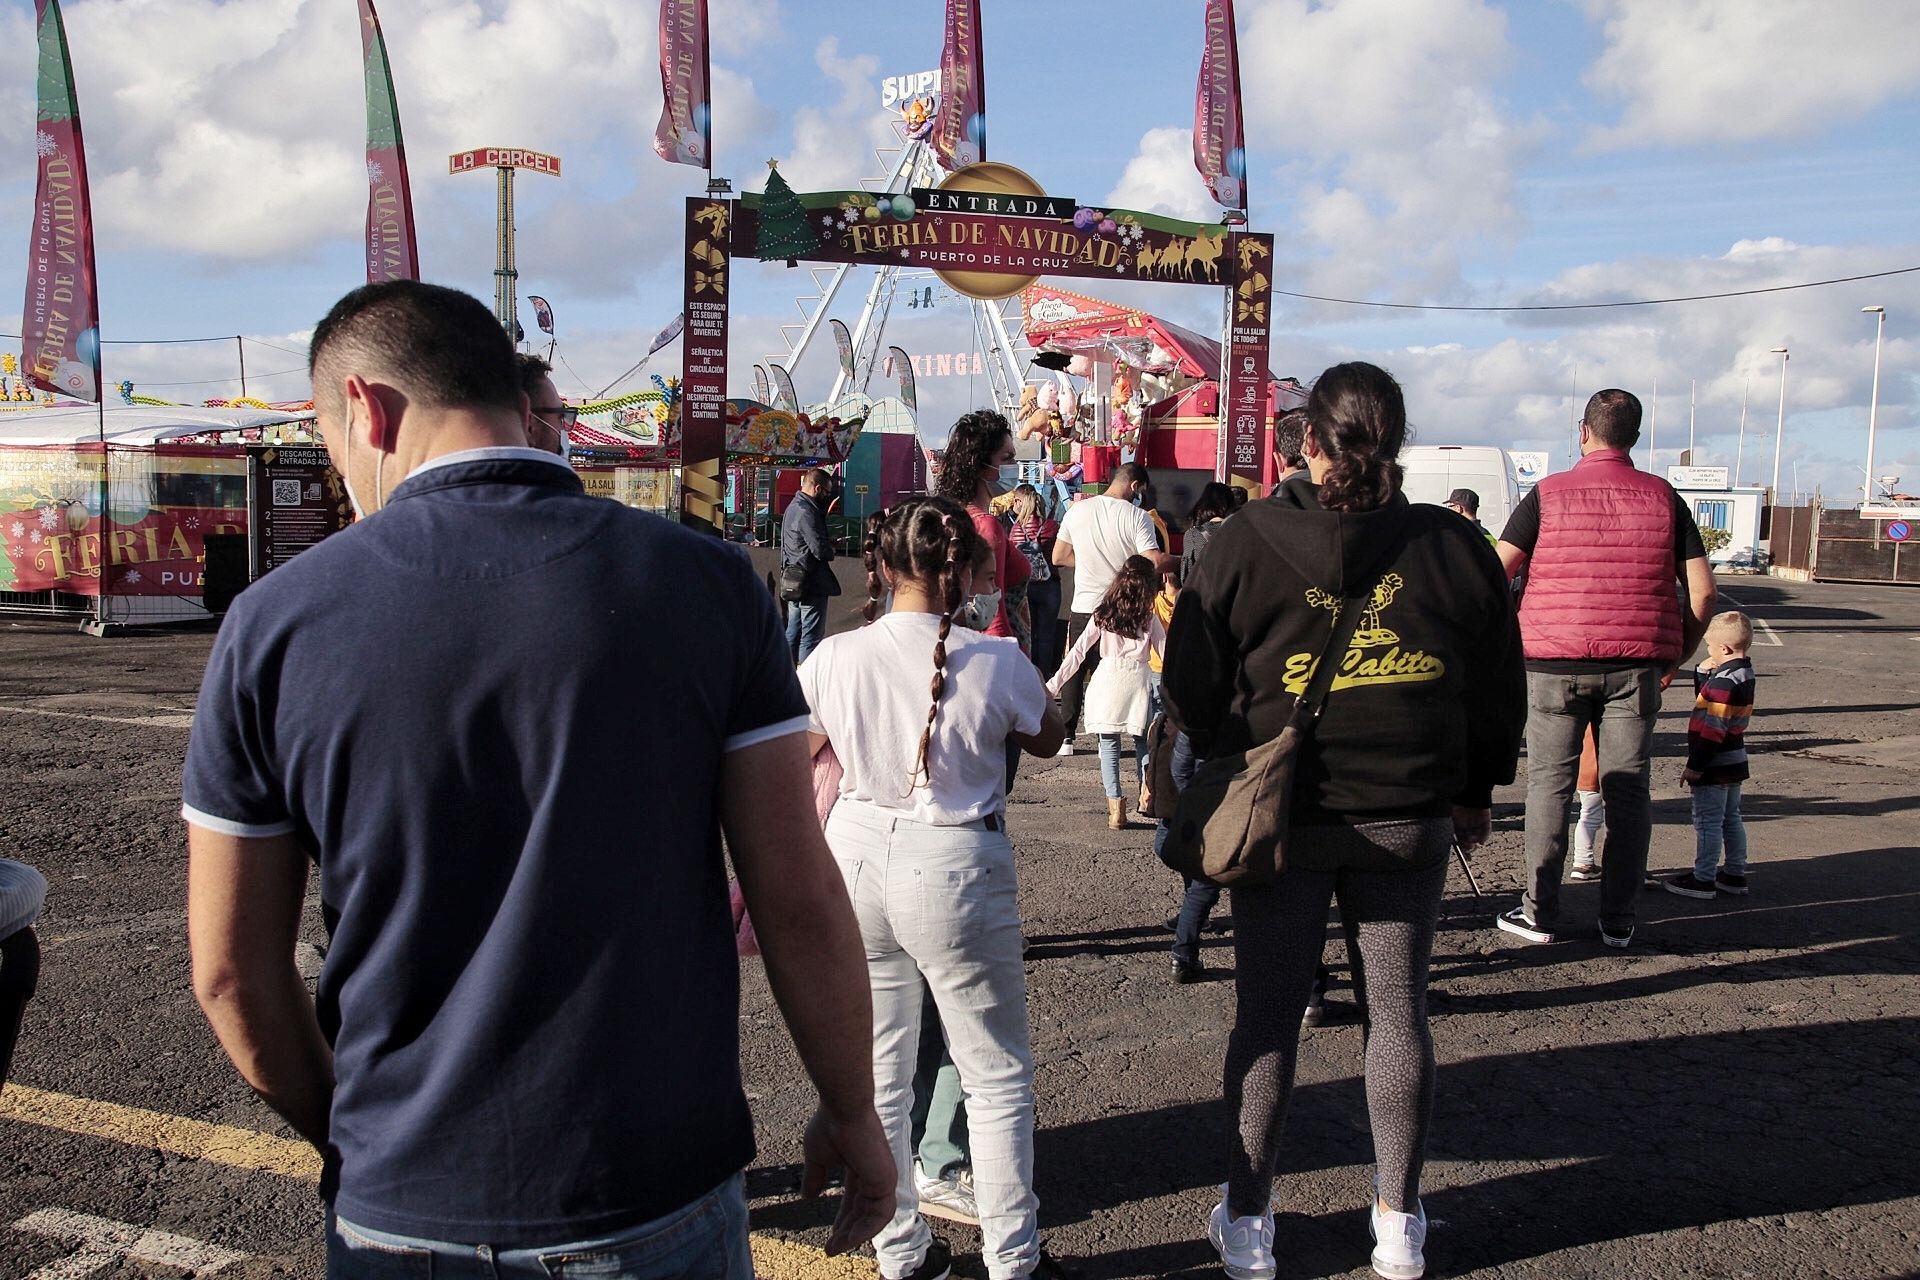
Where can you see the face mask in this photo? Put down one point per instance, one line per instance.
(980, 611)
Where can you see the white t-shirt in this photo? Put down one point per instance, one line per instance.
(869, 691)
(1103, 532)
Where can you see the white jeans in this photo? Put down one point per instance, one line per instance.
(941, 903)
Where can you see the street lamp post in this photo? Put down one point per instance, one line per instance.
(1873, 405)
(1780, 431)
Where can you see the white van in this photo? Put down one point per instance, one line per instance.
(1434, 471)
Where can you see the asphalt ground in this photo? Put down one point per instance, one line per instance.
(1733, 1096)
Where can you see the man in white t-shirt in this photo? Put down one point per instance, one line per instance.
(1096, 537)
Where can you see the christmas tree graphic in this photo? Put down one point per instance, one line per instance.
(785, 231)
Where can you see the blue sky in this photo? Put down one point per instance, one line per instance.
(1417, 151)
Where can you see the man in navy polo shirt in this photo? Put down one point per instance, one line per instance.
(523, 1055)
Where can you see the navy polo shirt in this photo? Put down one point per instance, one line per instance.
(495, 714)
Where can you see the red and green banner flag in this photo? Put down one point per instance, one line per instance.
(392, 252)
(60, 327)
(960, 129)
(1219, 126)
(685, 132)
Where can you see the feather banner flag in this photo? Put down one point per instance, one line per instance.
(761, 387)
(1219, 127)
(783, 384)
(843, 343)
(392, 250)
(60, 327)
(960, 130)
(542, 313)
(903, 365)
(685, 132)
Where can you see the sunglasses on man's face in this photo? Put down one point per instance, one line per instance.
(561, 414)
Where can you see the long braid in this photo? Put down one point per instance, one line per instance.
(956, 532)
(870, 556)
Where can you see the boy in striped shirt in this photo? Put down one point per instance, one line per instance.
(1717, 760)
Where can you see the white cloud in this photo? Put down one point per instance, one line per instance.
(833, 146)
(1161, 178)
(1403, 158)
(1701, 71)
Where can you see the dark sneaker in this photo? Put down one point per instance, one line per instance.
(1688, 885)
(1516, 923)
(1051, 1268)
(1316, 1015)
(1584, 872)
(1186, 971)
(937, 1265)
(1727, 882)
(1618, 941)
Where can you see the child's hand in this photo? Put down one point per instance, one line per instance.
(1691, 775)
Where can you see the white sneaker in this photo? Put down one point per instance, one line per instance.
(1245, 1245)
(1066, 748)
(950, 1197)
(1398, 1240)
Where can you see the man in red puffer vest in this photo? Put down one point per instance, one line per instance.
(1603, 630)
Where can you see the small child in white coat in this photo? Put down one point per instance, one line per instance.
(1119, 700)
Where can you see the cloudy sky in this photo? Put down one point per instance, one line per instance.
(1445, 153)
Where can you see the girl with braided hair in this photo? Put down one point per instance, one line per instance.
(919, 832)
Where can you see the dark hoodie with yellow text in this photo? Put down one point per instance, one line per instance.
(1429, 704)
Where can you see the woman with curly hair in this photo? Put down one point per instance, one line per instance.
(919, 831)
(1119, 699)
(980, 444)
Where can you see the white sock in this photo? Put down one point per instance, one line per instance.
(1593, 816)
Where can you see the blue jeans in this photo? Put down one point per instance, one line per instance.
(1199, 898)
(705, 1240)
(1043, 604)
(1716, 821)
(806, 626)
(1110, 761)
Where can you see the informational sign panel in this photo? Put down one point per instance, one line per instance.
(1243, 410)
(1700, 477)
(1529, 467)
(703, 354)
(296, 499)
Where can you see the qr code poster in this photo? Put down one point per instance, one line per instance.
(286, 493)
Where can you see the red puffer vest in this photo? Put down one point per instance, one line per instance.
(1600, 583)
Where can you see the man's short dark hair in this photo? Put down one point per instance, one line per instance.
(1613, 418)
(818, 478)
(440, 346)
(531, 369)
(1133, 473)
(1290, 438)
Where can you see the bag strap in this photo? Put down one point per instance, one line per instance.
(1313, 699)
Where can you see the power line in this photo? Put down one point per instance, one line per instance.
(175, 342)
(1599, 306)
(208, 382)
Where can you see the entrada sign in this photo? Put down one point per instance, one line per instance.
(503, 158)
(949, 200)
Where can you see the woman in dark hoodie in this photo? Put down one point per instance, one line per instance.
(1424, 718)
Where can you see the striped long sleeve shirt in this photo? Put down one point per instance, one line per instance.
(22, 890)
(1717, 733)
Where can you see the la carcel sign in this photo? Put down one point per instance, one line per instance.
(503, 158)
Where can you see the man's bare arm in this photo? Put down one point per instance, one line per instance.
(816, 964)
(243, 914)
(1512, 558)
(1063, 553)
(1703, 597)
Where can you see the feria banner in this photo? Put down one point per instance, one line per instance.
(684, 134)
(1219, 130)
(762, 388)
(903, 364)
(542, 312)
(960, 132)
(60, 326)
(392, 251)
(843, 343)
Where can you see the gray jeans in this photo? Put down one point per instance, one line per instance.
(1624, 704)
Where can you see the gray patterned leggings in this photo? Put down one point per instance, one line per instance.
(1278, 932)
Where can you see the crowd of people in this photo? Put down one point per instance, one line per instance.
(521, 861)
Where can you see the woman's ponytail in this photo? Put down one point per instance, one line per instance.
(1359, 422)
